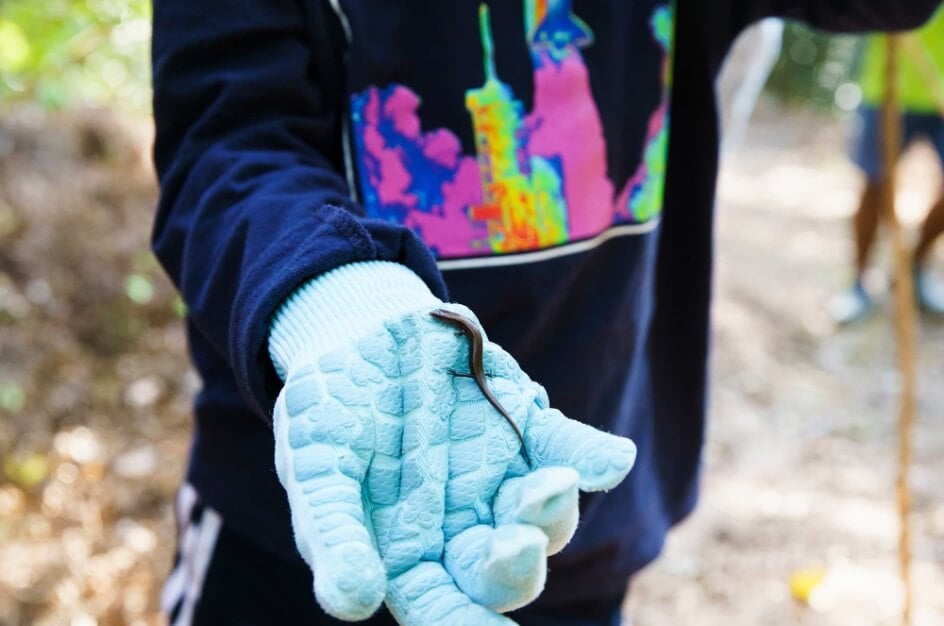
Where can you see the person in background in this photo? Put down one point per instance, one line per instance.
(333, 173)
(922, 110)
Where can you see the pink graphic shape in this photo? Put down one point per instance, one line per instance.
(565, 124)
(392, 177)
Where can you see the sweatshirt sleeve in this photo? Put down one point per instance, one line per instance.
(847, 15)
(248, 108)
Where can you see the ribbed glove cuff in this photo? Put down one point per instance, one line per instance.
(342, 306)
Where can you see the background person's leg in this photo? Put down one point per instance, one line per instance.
(931, 229)
(929, 290)
(865, 223)
(855, 303)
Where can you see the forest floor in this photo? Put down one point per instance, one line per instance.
(800, 463)
(94, 394)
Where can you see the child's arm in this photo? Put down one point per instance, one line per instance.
(248, 106)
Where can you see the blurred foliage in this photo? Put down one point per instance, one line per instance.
(139, 288)
(26, 471)
(817, 69)
(64, 52)
(12, 397)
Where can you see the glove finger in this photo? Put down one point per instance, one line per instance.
(546, 498)
(350, 582)
(502, 568)
(328, 519)
(426, 594)
(602, 460)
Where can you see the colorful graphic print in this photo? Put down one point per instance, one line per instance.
(538, 178)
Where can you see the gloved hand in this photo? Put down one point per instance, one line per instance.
(404, 482)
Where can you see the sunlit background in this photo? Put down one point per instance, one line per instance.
(67, 53)
(797, 522)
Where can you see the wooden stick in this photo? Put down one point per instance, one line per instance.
(904, 319)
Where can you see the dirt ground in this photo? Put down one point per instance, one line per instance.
(799, 468)
(800, 464)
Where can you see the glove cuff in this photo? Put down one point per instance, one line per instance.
(342, 306)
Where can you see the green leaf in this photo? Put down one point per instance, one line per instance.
(179, 306)
(139, 288)
(27, 471)
(14, 47)
(12, 397)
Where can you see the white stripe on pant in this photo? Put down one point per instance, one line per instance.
(197, 541)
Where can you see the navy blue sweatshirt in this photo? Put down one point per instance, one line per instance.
(548, 163)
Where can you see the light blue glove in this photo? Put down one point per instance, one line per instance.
(405, 484)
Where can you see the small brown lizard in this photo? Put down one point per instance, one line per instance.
(476, 367)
